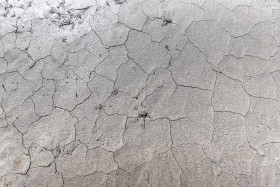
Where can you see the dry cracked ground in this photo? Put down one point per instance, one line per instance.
(139, 93)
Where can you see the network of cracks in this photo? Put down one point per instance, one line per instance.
(139, 93)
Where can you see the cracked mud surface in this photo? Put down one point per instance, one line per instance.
(139, 93)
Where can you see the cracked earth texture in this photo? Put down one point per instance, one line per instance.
(139, 93)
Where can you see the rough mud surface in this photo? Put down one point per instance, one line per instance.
(139, 93)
